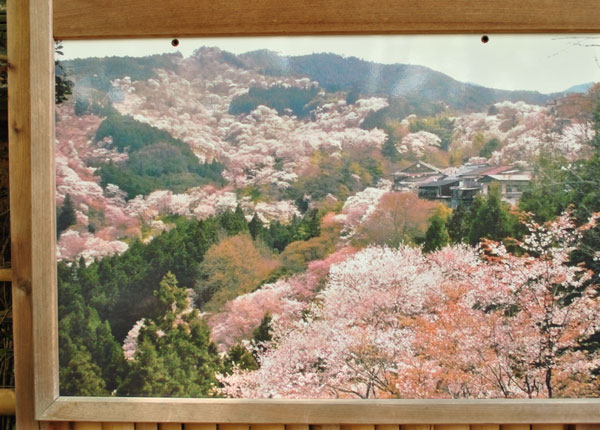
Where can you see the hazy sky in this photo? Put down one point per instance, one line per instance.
(546, 63)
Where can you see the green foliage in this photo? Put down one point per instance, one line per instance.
(239, 357)
(436, 236)
(256, 227)
(487, 217)
(91, 360)
(63, 86)
(340, 177)
(389, 149)
(121, 287)
(82, 106)
(399, 108)
(65, 215)
(98, 73)
(491, 218)
(174, 359)
(277, 97)
(549, 194)
(156, 159)
(352, 96)
(296, 256)
(489, 147)
(262, 333)
(459, 223)
(441, 126)
(278, 236)
(81, 376)
(234, 222)
(130, 135)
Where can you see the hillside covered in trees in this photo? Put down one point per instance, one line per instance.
(241, 226)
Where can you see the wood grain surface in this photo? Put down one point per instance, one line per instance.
(43, 188)
(19, 136)
(230, 413)
(81, 19)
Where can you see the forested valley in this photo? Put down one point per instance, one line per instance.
(260, 226)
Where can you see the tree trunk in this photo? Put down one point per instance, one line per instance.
(549, 382)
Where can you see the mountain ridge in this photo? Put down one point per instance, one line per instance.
(337, 73)
(333, 72)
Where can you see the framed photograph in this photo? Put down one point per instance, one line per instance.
(312, 229)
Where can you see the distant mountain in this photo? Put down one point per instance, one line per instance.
(418, 85)
(337, 73)
(581, 88)
(97, 73)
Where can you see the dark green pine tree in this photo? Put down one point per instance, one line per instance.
(86, 344)
(65, 216)
(491, 218)
(389, 149)
(547, 195)
(148, 375)
(262, 334)
(256, 227)
(280, 235)
(312, 220)
(81, 106)
(234, 222)
(239, 356)
(81, 376)
(63, 86)
(459, 223)
(436, 236)
(175, 357)
(307, 227)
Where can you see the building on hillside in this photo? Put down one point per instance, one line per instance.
(512, 184)
(468, 181)
(464, 192)
(412, 177)
(440, 189)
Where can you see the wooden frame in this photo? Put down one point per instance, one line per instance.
(33, 25)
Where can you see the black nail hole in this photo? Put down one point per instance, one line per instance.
(485, 38)
(175, 42)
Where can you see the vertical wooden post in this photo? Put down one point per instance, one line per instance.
(19, 136)
(43, 233)
(549, 427)
(233, 427)
(118, 426)
(267, 427)
(387, 427)
(55, 425)
(169, 426)
(452, 427)
(83, 425)
(515, 427)
(296, 427)
(31, 120)
(357, 427)
(146, 426)
(194, 426)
